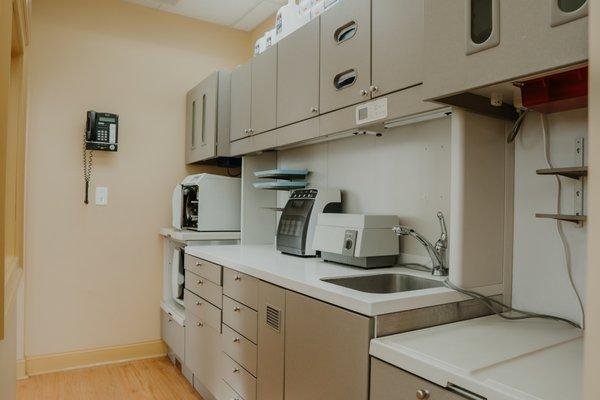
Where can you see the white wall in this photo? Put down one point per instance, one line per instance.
(540, 281)
(406, 172)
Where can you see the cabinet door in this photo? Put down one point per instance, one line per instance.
(264, 91)
(298, 75)
(241, 95)
(326, 351)
(345, 54)
(391, 383)
(271, 333)
(397, 45)
(203, 353)
(475, 43)
(201, 129)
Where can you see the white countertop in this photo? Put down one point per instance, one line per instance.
(189, 236)
(303, 275)
(500, 360)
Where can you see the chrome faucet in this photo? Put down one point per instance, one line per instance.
(437, 252)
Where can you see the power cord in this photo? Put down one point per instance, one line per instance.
(559, 225)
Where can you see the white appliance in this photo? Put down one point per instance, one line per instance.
(299, 218)
(365, 241)
(207, 203)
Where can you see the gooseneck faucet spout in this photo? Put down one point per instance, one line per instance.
(437, 252)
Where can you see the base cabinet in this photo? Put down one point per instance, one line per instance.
(326, 351)
(173, 334)
(391, 383)
(203, 354)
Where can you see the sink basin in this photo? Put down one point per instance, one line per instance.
(384, 283)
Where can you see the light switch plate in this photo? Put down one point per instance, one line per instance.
(101, 195)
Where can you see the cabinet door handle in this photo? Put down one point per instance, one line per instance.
(236, 309)
(236, 340)
(236, 370)
(364, 93)
(251, 131)
(198, 303)
(200, 282)
(374, 89)
(237, 278)
(422, 394)
(170, 320)
(345, 79)
(314, 110)
(200, 324)
(198, 264)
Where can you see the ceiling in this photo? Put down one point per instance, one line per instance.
(239, 14)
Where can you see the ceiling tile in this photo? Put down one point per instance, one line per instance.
(223, 12)
(261, 12)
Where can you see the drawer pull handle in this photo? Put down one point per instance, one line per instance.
(422, 394)
(314, 110)
(200, 324)
(374, 89)
(198, 264)
(236, 370)
(198, 303)
(236, 340)
(237, 278)
(237, 309)
(170, 320)
(200, 282)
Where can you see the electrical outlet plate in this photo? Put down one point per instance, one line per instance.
(101, 196)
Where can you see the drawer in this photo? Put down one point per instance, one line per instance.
(238, 378)
(390, 383)
(204, 288)
(203, 268)
(240, 349)
(227, 393)
(172, 334)
(202, 309)
(241, 287)
(240, 318)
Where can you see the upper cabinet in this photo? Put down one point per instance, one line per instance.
(397, 45)
(475, 43)
(241, 97)
(207, 126)
(345, 54)
(298, 75)
(264, 91)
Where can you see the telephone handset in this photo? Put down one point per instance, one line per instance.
(101, 133)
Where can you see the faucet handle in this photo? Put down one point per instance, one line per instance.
(444, 235)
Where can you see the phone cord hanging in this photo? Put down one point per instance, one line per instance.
(87, 169)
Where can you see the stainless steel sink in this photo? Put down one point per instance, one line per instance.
(384, 283)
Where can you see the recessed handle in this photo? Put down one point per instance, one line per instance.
(345, 79)
(345, 32)
(422, 394)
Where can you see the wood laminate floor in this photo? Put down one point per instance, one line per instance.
(154, 379)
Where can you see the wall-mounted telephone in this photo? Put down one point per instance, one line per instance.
(101, 133)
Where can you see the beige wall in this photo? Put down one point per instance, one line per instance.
(592, 336)
(93, 274)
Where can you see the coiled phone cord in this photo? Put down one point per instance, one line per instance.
(88, 157)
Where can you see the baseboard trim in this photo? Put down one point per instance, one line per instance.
(92, 357)
(21, 370)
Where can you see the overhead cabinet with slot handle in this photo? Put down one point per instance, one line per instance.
(254, 96)
(207, 125)
(476, 43)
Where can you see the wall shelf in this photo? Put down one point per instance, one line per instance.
(569, 172)
(578, 219)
